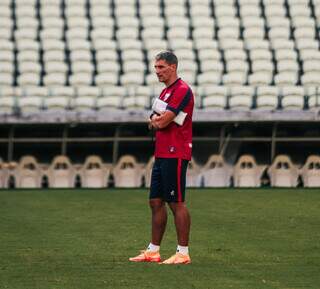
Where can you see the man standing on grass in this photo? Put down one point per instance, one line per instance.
(172, 153)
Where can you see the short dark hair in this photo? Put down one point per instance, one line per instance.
(167, 56)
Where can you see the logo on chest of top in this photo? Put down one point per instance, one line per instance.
(172, 149)
(166, 96)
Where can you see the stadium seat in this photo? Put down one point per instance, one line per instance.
(31, 104)
(313, 98)
(292, 98)
(132, 78)
(106, 79)
(148, 172)
(267, 98)
(94, 173)
(127, 173)
(83, 103)
(247, 173)
(88, 91)
(148, 11)
(286, 79)
(6, 79)
(258, 79)
(110, 102)
(193, 174)
(7, 104)
(215, 97)
(209, 78)
(241, 97)
(3, 175)
(310, 172)
(203, 33)
(35, 91)
(216, 173)
(61, 173)
(234, 79)
(283, 173)
(57, 103)
(55, 79)
(262, 66)
(81, 79)
(138, 97)
(62, 91)
(28, 79)
(215, 66)
(151, 80)
(28, 173)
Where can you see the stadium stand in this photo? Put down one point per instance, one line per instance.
(91, 61)
(96, 44)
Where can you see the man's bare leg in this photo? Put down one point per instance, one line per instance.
(159, 220)
(182, 221)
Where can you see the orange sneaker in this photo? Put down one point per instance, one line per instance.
(147, 256)
(178, 258)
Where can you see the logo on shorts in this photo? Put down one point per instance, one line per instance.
(172, 193)
(172, 149)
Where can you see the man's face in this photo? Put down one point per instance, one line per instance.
(164, 70)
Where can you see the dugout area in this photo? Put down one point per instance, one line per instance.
(224, 134)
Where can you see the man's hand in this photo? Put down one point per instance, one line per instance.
(164, 119)
(152, 122)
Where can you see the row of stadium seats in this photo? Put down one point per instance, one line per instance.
(35, 99)
(61, 173)
(104, 42)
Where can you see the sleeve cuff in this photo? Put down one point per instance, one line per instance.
(174, 110)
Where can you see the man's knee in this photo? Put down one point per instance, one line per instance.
(156, 204)
(177, 207)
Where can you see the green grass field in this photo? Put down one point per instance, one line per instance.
(81, 239)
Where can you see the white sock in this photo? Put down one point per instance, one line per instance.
(184, 250)
(153, 248)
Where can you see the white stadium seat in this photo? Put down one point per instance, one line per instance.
(193, 174)
(28, 173)
(4, 174)
(61, 173)
(148, 172)
(216, 173)
(127, 173)
(267, 98)
(94, 173)
(247, 173)
(283, 173)
(215, 97)
(310, 172)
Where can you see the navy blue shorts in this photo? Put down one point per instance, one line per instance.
(168, 179)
